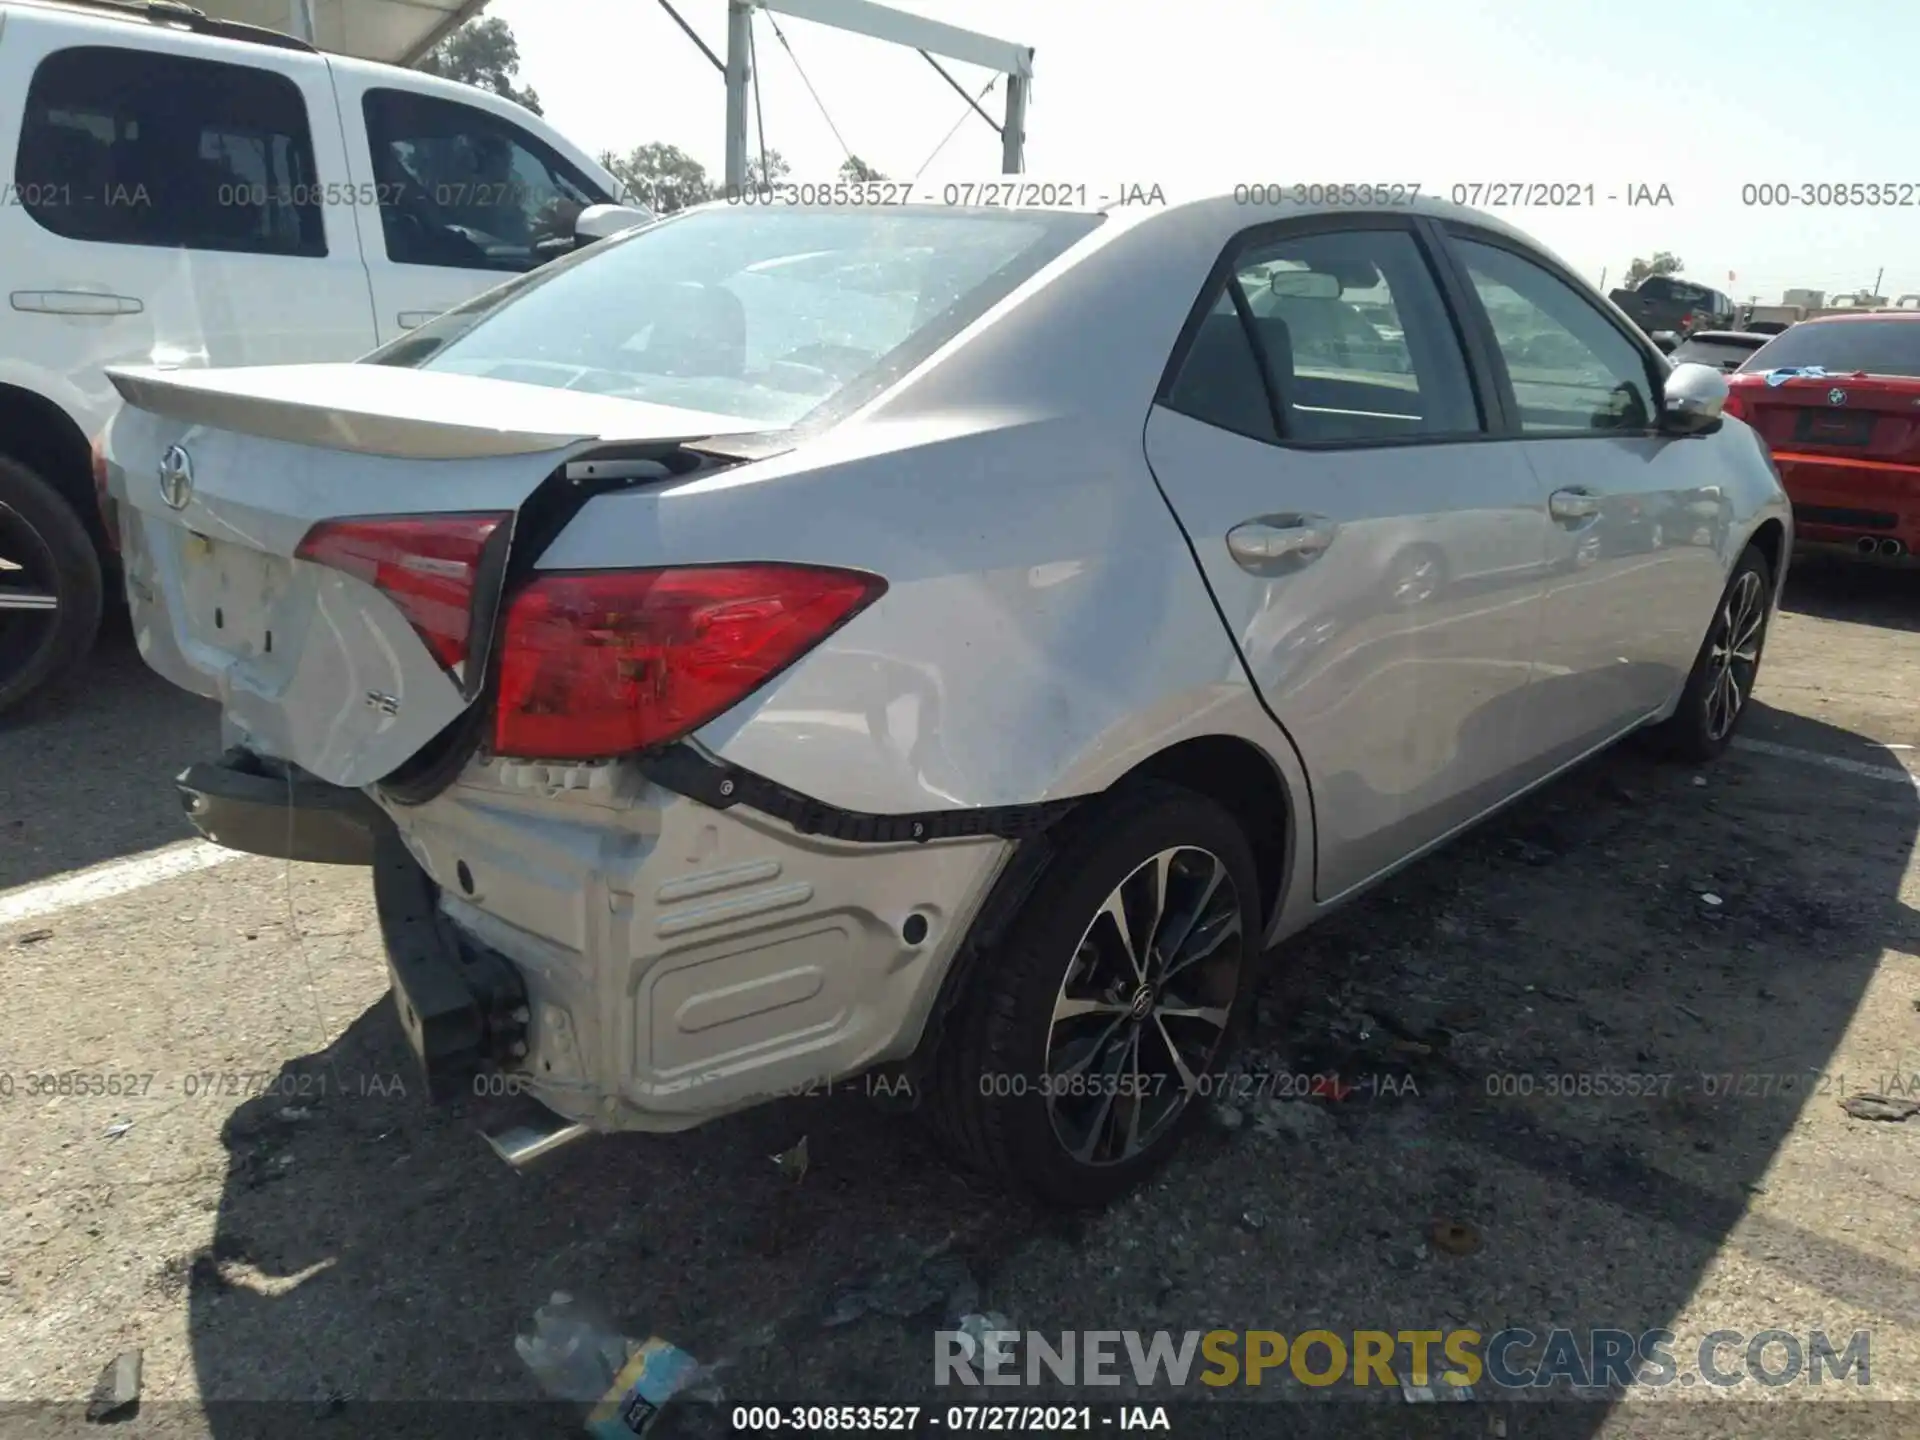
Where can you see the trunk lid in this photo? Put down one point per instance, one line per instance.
(222, 474)
(1855, 417)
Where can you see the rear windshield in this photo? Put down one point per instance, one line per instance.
(765, 314)
(1723, 353)
(1879, 347)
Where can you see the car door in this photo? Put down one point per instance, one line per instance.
(1627, 603)
(175, 206)
(1339, 496)
(465, 198)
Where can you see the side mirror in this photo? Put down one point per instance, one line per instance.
(1692, 402)
(1666, 340)
(598, 222)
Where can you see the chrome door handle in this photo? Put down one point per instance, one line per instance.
(1573, 505)
(414, 319)
(1259, 543)
(74, 302)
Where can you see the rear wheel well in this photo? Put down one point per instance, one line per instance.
(1771, 540)
(43, 437)
(1235, 775)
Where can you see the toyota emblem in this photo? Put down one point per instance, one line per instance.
(1836, 397)
(176, 477)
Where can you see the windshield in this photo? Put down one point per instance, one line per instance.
(764, 314)
(1878, 347)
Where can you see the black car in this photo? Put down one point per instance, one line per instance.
(1663, 302)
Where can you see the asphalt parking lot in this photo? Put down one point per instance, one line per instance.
(310, 1231)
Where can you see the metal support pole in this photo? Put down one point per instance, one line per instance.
(302, 19)
(1013, 134)
(739, 74)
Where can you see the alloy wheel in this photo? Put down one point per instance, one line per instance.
(1144, 1006)
(1733, 657)
(29, 592)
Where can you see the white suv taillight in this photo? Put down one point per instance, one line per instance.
(600, 663)
(426, 564)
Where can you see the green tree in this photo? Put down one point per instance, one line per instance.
(1664, 262)
(775, 170)
(482, 53)
(855, 169)
(664, 178)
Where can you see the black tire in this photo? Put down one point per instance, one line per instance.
(1699, 730)
(41, 651)
(992, 1096)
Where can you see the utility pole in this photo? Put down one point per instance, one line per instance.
(1878, 278)
(1603, 279)
(739, 77)
(302, 18)
(1013, 134)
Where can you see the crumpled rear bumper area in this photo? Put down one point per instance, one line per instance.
(669, 962)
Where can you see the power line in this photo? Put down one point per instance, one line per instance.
(972, 105)
(780, 35)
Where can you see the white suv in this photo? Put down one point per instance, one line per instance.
(192, 192)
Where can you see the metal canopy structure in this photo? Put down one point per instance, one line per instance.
(896, 27)
(398, 32)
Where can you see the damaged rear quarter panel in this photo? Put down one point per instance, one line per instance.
(1045, 627)
(1041, 609)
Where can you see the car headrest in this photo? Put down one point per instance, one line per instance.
(62, 154)
(702, 330)
(1219, 382)
(1277, 341)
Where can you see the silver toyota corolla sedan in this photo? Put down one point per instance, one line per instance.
(933, 650)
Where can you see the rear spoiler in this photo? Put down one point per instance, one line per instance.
(411, 414)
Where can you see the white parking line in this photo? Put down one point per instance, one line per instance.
(117, 877)
(1832, 762)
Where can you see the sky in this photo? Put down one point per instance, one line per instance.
(1204, 95)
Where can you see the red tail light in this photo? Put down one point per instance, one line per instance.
(606, 662)
(109, 512)
(425, 564)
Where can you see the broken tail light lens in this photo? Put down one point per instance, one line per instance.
(427, 565)
(595, 664)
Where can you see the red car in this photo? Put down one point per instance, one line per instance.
(1847, 442)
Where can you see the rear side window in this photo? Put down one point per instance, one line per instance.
(464, 189)
(1879, 347)
(1571, 370)
(129, 147)
(1349, 331)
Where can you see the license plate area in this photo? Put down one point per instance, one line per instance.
(231, 596)
(1827, 427)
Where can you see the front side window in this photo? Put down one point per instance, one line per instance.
(130, 147)
(1572, 371)
(768, 315)
(464, 189)
(1349, 329)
